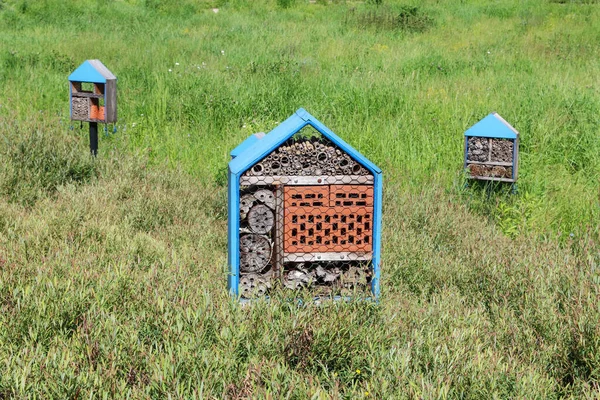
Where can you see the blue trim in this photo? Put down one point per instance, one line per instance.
(247, 143)
(263, 147)
(87, 73)
(233, 232)
(70, 101)
(466, 151)
(377, 213)
(318, 125)
(492, 127)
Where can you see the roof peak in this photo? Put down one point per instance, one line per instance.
(276, 137)
(92, 71)
(494, 126)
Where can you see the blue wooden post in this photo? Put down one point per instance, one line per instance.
(233, 233)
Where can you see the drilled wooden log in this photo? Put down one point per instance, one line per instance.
(246, 203)
(261, 219)
(267, 197)
(255, 253)
(254, 285)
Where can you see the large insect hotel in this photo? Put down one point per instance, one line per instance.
(304, 214)
(492, 150)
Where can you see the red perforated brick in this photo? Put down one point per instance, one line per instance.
(309, 227)
(306, 196)
(350, 195)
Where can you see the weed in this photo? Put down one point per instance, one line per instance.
(285, 3)
(298, 347)
(404, 18)
(35, 165)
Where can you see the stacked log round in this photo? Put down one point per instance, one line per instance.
(307, 158)
(261, 219)
(254, 285)
(479, 149)
(255, 252)
(266, 196)
(257, 219)
(502, 150)
(246, 203)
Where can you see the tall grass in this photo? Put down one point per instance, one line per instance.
(114, 286)
(112, 270)
(194, 83)
(403, 98)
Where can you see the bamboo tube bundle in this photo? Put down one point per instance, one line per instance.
(307, 158)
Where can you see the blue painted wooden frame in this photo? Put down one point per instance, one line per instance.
(255, 151)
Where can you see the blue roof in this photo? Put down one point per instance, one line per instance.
(250, 141)
(91, 71)
(301, 118)
(493, 126)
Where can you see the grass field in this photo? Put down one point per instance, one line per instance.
(113, 271)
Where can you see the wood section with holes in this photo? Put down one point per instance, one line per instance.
(321, 219)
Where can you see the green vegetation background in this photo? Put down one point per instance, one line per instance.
(112, 271)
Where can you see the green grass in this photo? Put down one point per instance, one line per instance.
(401, 83)
(113, 271)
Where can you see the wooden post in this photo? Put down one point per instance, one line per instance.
(94, 138)
(279, 216)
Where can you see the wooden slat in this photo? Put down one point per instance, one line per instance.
(516, 158)
(278, 235)
(88, 94)
(494, 163)
(307, 180)
(489, 178)
(339, 256)
(110, 101)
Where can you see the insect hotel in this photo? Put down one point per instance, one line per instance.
(93, 97)
(492, 150)
(304, 213)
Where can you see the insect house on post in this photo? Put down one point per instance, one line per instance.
(304, 213)
(93, 94)
(93, 97)
(492, 150)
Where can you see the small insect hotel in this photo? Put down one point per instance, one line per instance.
(492, 150)
(93, 93)
(304, 213)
